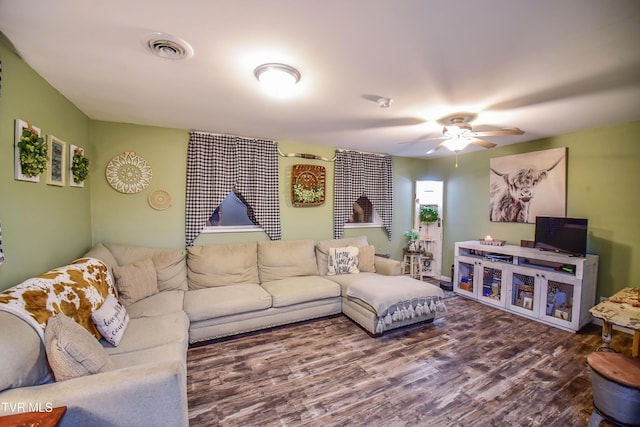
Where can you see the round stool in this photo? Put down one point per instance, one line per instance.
(615, 379)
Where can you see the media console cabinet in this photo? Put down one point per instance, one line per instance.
(549, 287)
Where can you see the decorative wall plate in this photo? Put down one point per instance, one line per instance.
(128, 173)
(159, 200)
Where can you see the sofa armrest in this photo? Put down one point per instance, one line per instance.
(387, 266)
(151, 394)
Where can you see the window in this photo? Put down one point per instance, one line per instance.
(231, 173)
(232, 215)
(364, 215)
(361, 176)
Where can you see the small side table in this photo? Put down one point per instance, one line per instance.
(34, 419)
(412, 264)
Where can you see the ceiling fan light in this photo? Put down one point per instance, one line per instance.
(456, 144)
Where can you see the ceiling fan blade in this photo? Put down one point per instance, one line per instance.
(499, 132)
(482, 143)
(434, 149)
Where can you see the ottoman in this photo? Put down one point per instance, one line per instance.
(383, 303)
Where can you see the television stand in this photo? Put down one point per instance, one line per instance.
(550, 287)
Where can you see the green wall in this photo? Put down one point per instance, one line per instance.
(128, 219)
(603, 171)
(43, 226)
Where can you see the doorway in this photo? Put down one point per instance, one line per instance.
(429, 198)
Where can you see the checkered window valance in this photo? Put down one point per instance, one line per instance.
(218, 164)
(362, 174)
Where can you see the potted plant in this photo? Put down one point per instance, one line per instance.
(33, 153)
(411, 236)
(79, 166)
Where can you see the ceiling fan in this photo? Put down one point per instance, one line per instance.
(458, 133)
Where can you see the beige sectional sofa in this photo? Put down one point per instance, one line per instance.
(203, 293)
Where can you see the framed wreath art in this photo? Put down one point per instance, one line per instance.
(307, 185)
(30, 153)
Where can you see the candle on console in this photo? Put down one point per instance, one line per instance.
(488, 238)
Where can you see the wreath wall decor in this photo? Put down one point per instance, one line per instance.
(308, 185)
(30, 152)
(128, 173)
(78, 166)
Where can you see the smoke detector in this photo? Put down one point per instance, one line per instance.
(169, 47)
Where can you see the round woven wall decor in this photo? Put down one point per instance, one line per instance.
(128, 173)
(159, 200)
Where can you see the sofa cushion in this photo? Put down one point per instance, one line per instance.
(366, 259)
(222, 265)
(71, 350)
(170, 264)
(24, 360)
(136, 281)
(295, 290)
(111, 319)
(322, 249)
(221, 301)
(161, 353)
(344, 280)
(158, 304)
(150, 332)
(343, 260)
(280, 259)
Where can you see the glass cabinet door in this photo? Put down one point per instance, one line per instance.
(492, 291)
(465, 277)
(561, 297)
(524, 290)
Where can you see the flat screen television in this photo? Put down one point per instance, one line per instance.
(565, 235)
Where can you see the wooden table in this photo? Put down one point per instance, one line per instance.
(34, 419)
(622, 313)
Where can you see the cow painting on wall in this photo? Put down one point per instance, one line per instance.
(524, 186)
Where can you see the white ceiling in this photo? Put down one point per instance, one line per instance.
(549, 67)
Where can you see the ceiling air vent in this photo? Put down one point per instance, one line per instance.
(169, 47)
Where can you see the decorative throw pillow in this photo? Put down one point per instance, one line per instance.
(111, 319)
(343, 260)
(136, 281)
(71, 350)
(366, 259)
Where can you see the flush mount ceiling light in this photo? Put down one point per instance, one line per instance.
(277, 79)
(384, 102)
(168, 47)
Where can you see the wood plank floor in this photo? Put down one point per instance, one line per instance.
(473, 366)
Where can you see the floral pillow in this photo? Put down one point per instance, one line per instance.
(343, 260)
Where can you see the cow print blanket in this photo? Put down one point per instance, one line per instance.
(77, 290)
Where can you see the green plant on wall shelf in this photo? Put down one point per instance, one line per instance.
(429, 214)
(79, 166)
(33, 153)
